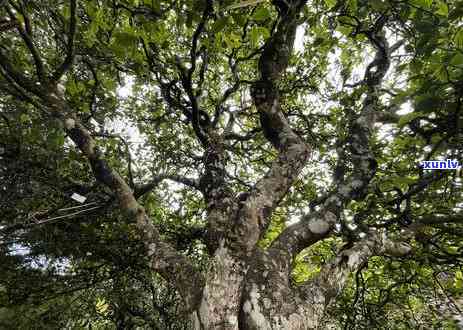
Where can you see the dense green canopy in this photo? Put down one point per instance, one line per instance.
(155, 105)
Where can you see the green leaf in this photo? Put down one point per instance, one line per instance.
(125, 39)
(256, 34)
(59, 140)
(442, 9)
(352, 5)
(459, 38)
(24, 118)
(452, 249)
(155, 5)
(435, 139)
(386, 186)
(423, 3)
(90, 34)
(264, 32)
(426, 27)
(427, 103)
(160, 34)
(219, 24)
(91, 9)
(458, 283)
(318, 41)
(232, 40)
(261, 14)
(441, 73)
(55, 138)
(239, 18)
(402, 181)
(405, 119)
(345, 30)
(124, 43)
(101, 306)
(330, 3)
(99, 17)
(457, 60)
(378, 5)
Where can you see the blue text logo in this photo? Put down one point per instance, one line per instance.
(440, 164)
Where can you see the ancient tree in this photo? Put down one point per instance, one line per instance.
(261, 168)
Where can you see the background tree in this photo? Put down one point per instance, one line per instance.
(270, 176)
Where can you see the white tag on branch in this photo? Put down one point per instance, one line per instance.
(78, 198)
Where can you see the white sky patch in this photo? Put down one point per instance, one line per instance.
(300, 38)
(126, 128)
(126, 90)
(405, 108)
(386, 132)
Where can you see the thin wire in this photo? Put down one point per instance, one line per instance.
(76, 207)
(66, 215)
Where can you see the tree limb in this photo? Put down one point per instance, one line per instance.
(19, 78)
(364, 163)
(70, 44)
(27, 38)
(187, 77)
(319, 292)
(141, 190)
(254, 215)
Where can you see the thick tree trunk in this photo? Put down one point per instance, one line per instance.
(255, 292)
(220, 304)
(254, 296)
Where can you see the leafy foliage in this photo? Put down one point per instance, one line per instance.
(66, 265)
